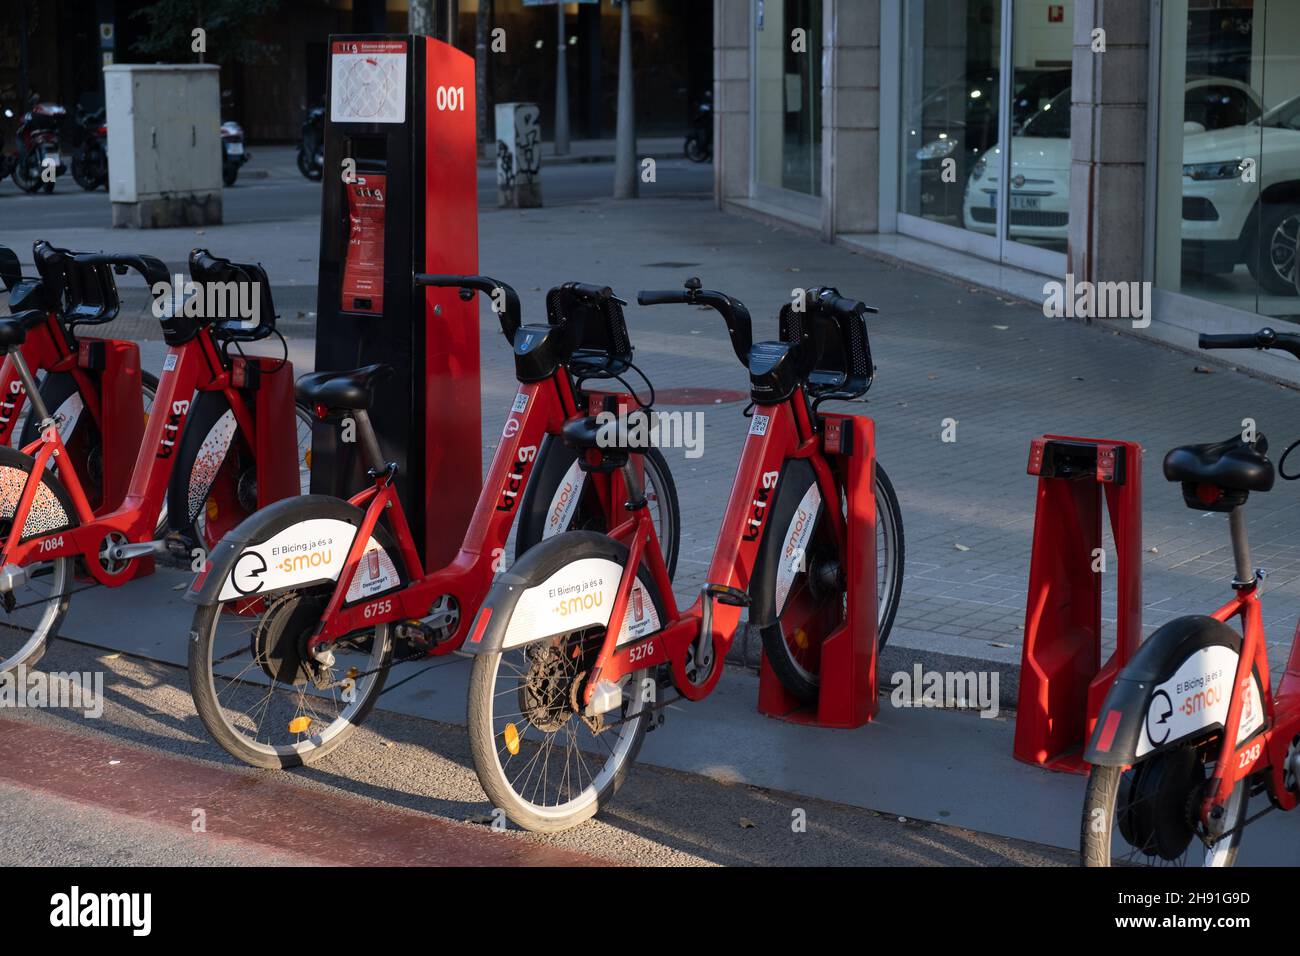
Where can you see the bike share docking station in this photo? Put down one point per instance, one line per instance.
(846, 695)
(1063, 682)
(399, 198)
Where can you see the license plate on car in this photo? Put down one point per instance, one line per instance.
(1026, 203)
(235, 149)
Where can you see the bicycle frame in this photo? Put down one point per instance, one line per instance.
(195, 366)
(540, 409)
(1281, 711)
(777, 433)
(45, 349)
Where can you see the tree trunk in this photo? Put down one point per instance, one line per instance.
(626, 184)
(420, 19)
(482, 26)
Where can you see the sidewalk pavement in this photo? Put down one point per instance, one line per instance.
(944, 350)
(275, 156)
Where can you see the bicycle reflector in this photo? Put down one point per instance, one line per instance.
(1067, 458)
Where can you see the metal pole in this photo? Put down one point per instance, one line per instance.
(626, 184)
(561, 87)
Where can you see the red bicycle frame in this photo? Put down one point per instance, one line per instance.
(45, 349)
(777, 433)
(546, 405)
(1281, 713)
(194, 366)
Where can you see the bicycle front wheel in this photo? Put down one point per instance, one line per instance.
(31, 613)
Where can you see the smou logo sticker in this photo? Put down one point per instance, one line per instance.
(580, 594)
(312, 550)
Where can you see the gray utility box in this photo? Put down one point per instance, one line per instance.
(164, 144)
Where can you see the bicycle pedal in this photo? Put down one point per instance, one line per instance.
(412, 637)
(177, 550)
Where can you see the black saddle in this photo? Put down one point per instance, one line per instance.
(632, 434)
(14, 328)
(352, 389)
(1219, 476)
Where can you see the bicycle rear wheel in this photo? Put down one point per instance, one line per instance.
(538, 756)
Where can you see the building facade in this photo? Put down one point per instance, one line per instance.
(1014, 142)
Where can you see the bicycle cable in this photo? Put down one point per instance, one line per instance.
(1281, 462)
(605, 373)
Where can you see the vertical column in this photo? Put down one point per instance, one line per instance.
(1108, 134)
(850, 117)
(732, 32)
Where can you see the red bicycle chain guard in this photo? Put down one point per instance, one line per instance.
(847, 689)
(277, 431)
(1062, 680)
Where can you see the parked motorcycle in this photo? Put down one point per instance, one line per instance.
(311, 148)
(233, 154)
(38, 146)
(699, 142)
(90, 160)
(7, 159)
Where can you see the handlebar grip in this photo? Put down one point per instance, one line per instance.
(510, 316)
(661, 297)
(846, 308)
(1231, 340)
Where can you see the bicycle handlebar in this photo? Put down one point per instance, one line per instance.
(151, 268)
(10, 270)
(510, 316)
(739, 324)
(1263, 339)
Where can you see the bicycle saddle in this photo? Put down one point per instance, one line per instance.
(352, 389)
(14, 328)
(1219, 476)
(585, 433)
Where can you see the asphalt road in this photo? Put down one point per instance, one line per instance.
(283, 194)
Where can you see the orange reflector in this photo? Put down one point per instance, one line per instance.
(299, 725)
(307, 458)
(212, 509)
(511, 735)
(801, 638)
(352, 673)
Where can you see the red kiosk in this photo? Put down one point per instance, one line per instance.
(399, 197)
(1062, 680)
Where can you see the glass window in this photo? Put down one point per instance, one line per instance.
(1042, 45)
(1228, 206)
(952, 153)
(951, 84)
(788, 133)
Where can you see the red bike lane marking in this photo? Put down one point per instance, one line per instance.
(260, 810)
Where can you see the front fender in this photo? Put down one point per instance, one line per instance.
(297, 542)
(1177, 687)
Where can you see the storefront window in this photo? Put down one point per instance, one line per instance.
(788, 147)
(951, 163)
(1042, 48)
(1228, 207)
(951, 84)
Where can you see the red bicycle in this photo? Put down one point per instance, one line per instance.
(1192, 730)
(49, 526)
(336, 588)
(86, 382)
(559, 700)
